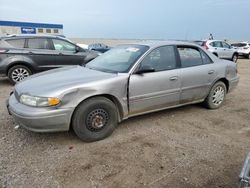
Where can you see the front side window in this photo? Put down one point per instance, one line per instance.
(62, 45)
(162, 58)
(225, 45)
(38, 43)
(189, 56)
(119, 59)
(17, 43)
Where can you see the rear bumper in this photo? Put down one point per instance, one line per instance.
(39, 119)
(245, 173)
(233, 83)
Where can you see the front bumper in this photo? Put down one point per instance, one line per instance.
(39, 119)
(245, 174)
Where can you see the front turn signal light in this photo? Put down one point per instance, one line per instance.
(53, 101)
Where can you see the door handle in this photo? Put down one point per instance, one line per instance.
(173, 78)
(60, 53)
(30, 53)
(211, 72)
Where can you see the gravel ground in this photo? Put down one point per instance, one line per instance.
(183, 147)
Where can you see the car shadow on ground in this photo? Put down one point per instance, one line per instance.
(5, 82)
(69, 137)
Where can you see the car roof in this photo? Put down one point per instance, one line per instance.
(154, 43)
(30, 35)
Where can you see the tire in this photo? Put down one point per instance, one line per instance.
(235, 58)
(248, 56)
(18, 72)
(213, 102)
(95, 119)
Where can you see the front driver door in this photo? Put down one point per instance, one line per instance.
(155, 90)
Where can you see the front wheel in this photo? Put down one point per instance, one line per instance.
(235, 58)
(216, 96)
(18, 72)
(95, 119)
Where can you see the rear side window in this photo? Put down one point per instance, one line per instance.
(17, 43)
(38, 43)
(205, 58)
(189, 56)
(216, 44)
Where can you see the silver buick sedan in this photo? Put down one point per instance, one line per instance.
(126, 81)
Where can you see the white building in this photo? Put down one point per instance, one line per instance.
(11, 27)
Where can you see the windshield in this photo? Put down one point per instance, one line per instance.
(119, 59)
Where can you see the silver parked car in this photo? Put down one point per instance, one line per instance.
(221, 49)
(126, 81)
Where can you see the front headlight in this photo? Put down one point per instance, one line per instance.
(39, 101)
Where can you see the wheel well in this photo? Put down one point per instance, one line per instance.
(235, 53)
(110, 97)
(225, 81)
(19, 63)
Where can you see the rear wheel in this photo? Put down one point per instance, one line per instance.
(216, 96)
(235, 58)
(18, 72)
(95, 119)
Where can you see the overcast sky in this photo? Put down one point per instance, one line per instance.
(147, 19)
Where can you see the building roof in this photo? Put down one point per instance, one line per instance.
(30, 24)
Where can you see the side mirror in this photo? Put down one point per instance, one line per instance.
(145, 69)
(78, 49)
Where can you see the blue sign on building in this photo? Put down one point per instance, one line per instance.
(28, 30)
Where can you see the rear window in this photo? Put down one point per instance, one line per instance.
(17, 43)
(38, 43)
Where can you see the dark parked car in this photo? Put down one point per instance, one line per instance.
(99, 47)
(23, 55)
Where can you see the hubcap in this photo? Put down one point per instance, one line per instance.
(218, 95)
(19, 74)
(97, 119)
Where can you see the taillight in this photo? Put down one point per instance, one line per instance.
(205, 46)
(3, 50)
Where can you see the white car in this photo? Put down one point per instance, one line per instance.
(221, 49)
(243, 48)
(84, 46)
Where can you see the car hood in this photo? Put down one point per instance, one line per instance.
(54, 81)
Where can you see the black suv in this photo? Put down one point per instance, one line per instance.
(23, 55)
